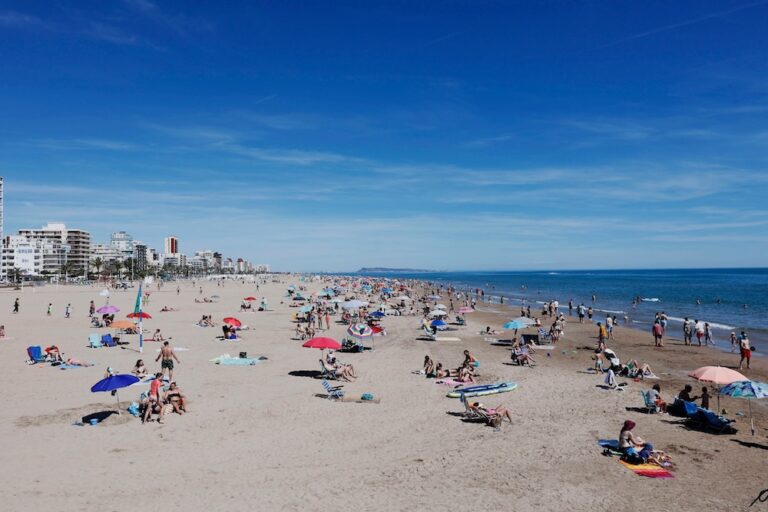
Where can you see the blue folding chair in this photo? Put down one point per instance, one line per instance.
(334, 392)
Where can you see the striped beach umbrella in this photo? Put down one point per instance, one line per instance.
(746, 389)
(360, 331)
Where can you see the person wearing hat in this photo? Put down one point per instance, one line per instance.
(631, 446)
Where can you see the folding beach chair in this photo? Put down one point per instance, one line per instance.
(650, 406)
(35, 354)
(108, 341)
(326, 373)
(334, 392)
(94, 341)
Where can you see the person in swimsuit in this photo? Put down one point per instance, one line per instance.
(500, 411)
(429, 367)
(140, 370)
(175, 397)
(168, 356)
(631, 446)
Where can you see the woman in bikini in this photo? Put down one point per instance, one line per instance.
(175, 397)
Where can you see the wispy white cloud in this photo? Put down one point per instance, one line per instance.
(683, 23)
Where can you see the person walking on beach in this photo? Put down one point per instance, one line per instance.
(699, 330)
(168, 356)
(570, 307)
(16, 305)
(601, 335)
(582, 313)
(91, 309)
(734, 342)
(68, 311)
(50, 308)
(590, 313)
(746, 350)
(708, 335)
(658, 334)
(609, 326)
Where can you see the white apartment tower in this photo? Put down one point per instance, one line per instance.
(171, 246)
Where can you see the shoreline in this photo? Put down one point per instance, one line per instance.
(409, 451)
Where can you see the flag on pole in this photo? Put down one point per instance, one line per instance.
(137, 310)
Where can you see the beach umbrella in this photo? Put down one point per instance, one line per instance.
(513, 325)
(232, 321)
(746, 389)
(305, 309)
(113, 383)
(104, 293)
(403, 297)
(465, 309)
(107, 310)
(354, 304)
(438, 312)
(717, 375)
(360, 331)
(122, 324)
(524, 320)
(322, 343)
(249, 299)
(441, 306)
(438, 323)
(377, 314)
(140, 314)
(434, 297)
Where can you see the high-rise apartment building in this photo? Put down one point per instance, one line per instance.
(171, 245)
(123, 243)
(76, 243)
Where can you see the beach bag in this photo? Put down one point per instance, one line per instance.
(243, 355)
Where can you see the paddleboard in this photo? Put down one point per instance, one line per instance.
(486, 389)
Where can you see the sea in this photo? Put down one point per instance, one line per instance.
(728, 299)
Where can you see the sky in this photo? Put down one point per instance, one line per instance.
(450, 135)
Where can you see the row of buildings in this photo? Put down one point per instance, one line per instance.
(56, 250)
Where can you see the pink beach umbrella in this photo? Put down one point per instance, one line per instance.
(717, 375)
(465, 309)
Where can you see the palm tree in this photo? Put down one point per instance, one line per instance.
(97, 264)
(15, 275)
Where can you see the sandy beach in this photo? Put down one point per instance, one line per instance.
(259, 438)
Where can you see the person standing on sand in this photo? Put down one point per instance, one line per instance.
(68, 311)
(658, 334)
(570, 307)
(734, 342)
(609, 326)
(168, 356)
(601, 335)
(16, 305)
(50, 308)
(708, 335)
(91, 309)
(746, 350)
(582, 313)
(687, 331)
(590, 313)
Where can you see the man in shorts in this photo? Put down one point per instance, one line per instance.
(168, 356)
(746, 350)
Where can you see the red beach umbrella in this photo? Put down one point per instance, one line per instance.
(250, 298)
(233, 321)
(322, 343)
(139, 315)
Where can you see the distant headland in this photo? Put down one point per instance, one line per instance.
(368, 270)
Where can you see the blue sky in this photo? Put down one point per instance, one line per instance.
(448, 135)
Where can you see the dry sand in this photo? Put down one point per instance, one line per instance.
(258, 438)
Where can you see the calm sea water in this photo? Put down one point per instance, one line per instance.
(730, 299)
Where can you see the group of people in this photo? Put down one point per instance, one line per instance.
(464, 373)
(159, 396)
(654, 396)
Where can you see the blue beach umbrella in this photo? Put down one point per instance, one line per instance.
(513, 325)
(305, 309)
(113, 383)
(746, 389)
(438, 323)
(377, 314)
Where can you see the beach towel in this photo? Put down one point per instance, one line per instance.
(446, 338)
(450, 382)
(648, 470)
(360, 400)
(228, 360)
